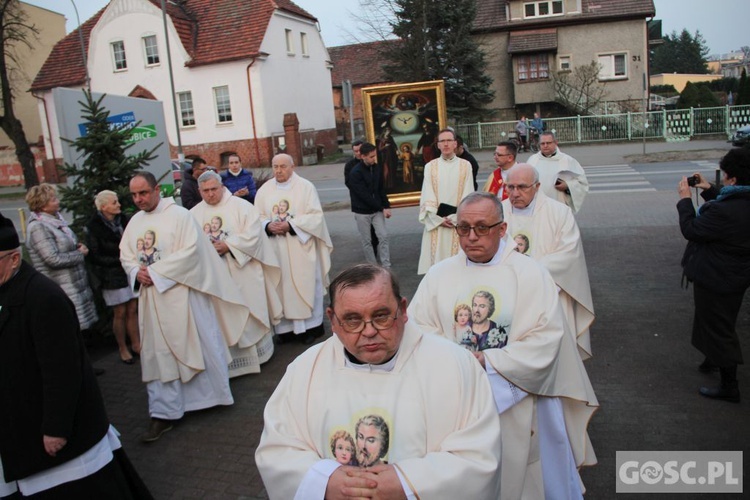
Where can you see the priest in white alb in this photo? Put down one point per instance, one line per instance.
(382, 409)
(560, 175)
(293, 220)
(516, 332)
(447, 180)
(553, 239)
(246, 251)
(189, 309)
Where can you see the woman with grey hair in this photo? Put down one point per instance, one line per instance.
(104, 233)
(56, 252)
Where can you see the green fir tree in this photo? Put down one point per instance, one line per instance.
(105, 164)
(743, 90)
(435, 43)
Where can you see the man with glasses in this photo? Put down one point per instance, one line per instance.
(542, 393)
(248, 255)
(555, 242)
(561, 176)
(189, 193)
(441, 435)
(505, 159)
(447, 180)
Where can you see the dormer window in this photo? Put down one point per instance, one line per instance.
(543, 8)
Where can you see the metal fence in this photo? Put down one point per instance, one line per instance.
(670, 125)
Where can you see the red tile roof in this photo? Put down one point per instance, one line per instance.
(211, 31)
(362, 63)
(491, 14)
(64, 66)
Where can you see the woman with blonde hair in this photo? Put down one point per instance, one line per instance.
(104, 234)
(56, 253)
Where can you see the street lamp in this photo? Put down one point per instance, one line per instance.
(83, 47)
(180, 154)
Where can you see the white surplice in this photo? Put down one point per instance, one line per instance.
(253, 266)
(184, 356)
(304, 257)
(567, 168)
(555, 242)
(448, 182)
(442, 432)
(539, 361)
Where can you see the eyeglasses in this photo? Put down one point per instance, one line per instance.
(7, 255)
(357, 325)
(545, 143)
(479, 230)
(520, 187)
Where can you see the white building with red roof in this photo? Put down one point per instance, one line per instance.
(239, 66)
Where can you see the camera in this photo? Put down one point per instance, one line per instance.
(693, 180)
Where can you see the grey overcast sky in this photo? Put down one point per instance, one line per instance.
(723, 23)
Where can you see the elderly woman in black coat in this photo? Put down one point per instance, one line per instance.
(104, 233)
(717, 261)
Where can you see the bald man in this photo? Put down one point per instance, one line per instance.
(293, 219)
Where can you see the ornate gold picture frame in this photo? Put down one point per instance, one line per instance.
(403, 121)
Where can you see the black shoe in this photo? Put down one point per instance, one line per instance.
(156, 429)
(317, 331)
(281, 339)
(729, 393)
(98, 371)
(707, 367)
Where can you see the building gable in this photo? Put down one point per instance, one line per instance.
(211, 31)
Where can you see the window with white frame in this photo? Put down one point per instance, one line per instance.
(303, 44)
(564, 63)
(532, 67)
(223, 106)
(118, 55)
(543, 8)
(187, 114)
(151, 50)
(613, 66)
(289, 42)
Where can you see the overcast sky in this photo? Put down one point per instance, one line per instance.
(723, 23)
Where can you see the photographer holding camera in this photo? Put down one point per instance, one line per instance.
(717, 261)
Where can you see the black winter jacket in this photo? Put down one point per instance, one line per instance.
(47, 385)
(367, 189)
(717, 256)
(104, 253)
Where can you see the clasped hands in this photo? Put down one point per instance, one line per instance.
(279, 227)
(380, 482)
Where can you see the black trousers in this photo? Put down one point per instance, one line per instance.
(714, 323)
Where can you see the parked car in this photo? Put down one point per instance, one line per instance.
(741, 136)
(178, 170)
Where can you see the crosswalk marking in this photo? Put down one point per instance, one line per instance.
(631, 181)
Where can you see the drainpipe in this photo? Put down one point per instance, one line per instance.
(252, 109)
(46, 119)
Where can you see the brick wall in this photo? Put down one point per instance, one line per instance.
(10, 170)
(211, 152)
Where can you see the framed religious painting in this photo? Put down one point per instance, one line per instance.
(403, 121)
